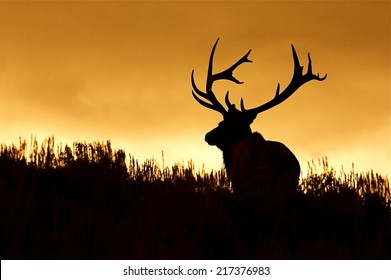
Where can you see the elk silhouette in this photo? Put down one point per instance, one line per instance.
(254, 165)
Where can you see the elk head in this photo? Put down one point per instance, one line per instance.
(236, 123)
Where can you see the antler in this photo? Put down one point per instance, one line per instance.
(211, 78)
(297, 81)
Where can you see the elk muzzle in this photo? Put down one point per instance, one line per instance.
(213, 136)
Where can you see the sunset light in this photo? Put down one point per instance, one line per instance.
(120, 71)
(192, 134)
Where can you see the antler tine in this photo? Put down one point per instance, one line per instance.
(297, 81)
(228, 73)
(214, 105)
(242, 105)
(208, 95)
(227, 102)
(211, 78)
(309, 71)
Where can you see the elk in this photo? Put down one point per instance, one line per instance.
(255, 166)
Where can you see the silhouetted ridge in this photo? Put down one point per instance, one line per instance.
(88, 201)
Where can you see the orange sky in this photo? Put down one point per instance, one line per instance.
(121, 71)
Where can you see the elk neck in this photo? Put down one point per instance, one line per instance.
(233, 150)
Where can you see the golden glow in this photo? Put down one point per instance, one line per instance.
(121, 71)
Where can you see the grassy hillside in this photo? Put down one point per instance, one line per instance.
(89, 201)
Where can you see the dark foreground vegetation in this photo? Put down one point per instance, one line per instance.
(89, 202)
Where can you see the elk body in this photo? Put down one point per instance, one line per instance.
(254, 165)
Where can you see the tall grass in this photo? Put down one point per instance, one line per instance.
(50, 156)
(322, 178)
(90, 201)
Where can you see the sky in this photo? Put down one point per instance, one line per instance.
(120, 71)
